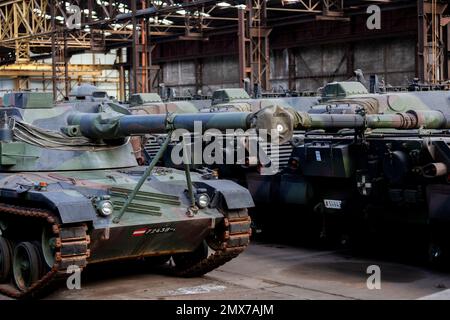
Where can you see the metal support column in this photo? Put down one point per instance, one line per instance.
(54, 75)
(245, 69)
(292, 72)
(447, 51)
(135, 53)
(253, 37)
(66, 59)
(431, 48)
(121, 69)
(198, 75)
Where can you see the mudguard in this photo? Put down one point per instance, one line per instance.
(71, 205)
(235, 196)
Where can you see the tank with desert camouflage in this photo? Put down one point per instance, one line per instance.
(72, 193)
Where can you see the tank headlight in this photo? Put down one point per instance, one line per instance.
(105, 208)
(202, 200)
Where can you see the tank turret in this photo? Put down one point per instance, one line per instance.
(88, 92)
(352, 97)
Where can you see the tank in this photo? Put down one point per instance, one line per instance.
(72, 193)
(359, 165)
(354, 155)
(371, 177)
(344, 109)
(337, 98)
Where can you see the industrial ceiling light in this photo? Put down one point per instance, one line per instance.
(287, 2)
(223, 4)
(166, 22)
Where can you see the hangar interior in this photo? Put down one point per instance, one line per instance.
(362, 168)
(195, 47)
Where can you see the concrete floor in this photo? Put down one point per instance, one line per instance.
(266, 271)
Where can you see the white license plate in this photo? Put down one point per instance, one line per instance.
(333, 204)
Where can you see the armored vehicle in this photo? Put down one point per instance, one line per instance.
(287, 188)
(373, 172)
(72, 193)
(323, 165)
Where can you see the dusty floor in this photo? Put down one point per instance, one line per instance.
(266, 271)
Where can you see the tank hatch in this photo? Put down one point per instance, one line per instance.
(229, 95)
(344, 89)
(143, 98)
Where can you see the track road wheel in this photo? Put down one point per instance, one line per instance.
(48, 246)
(184, 261)
(26, 265)
(5, 259)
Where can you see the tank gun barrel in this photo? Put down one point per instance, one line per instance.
(405, 120)
(107, 126)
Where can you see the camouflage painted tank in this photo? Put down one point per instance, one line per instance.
(287, 188)
(319, 174)
(72, 193)
(374, 176)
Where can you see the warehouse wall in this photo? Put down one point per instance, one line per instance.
(320, 47)
(218, 72)
(391, 59)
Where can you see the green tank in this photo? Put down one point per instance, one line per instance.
(369, 178)
(355, 160)
(72, 193)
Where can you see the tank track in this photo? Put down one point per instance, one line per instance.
(72, 248)
(233, 240)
